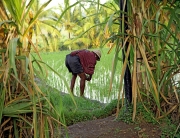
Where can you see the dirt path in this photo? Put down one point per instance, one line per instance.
(111, 128)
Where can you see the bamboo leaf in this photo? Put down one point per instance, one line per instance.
(110, 22)
(62, 77)
(15, 128)
(18, 107)
(26, 61)
(29, 6)
(16, 6)
(10, 8)
(35, 118)
(153, 82)
(36, 16)
(2, 99)
(12, 54)
(22, 84)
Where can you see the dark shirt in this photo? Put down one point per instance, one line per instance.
(87, 59)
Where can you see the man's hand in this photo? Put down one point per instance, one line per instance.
(88, 77)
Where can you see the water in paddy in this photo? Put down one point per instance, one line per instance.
(96, 89)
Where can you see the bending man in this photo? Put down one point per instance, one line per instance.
(82, 63)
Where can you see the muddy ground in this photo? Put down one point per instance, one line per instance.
(109, 127)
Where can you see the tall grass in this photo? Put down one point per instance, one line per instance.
(25, 111)
(97, 88)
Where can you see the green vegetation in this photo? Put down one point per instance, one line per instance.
(150, 39)
(87, 109)
(77, 109)
(101, 77)
(169, 128)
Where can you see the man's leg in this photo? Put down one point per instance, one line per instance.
(82, 83)
(73, 80)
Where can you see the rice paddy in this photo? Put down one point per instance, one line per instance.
(97, 88)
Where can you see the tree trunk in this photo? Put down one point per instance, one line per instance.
(127, 76)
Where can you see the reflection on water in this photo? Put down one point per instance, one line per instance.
(96, 89)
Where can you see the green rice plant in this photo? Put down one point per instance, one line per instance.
(100, 78)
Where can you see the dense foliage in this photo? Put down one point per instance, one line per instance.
(152, 34)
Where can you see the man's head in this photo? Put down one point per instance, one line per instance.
(98, 53)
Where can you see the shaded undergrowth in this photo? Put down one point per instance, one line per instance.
(77, 109)
(88, 109)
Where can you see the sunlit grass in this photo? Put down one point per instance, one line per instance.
(84, 109)
(97, 88)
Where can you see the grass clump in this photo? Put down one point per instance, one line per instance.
(86, 109)
(169, 129)
(142, 115)
(77, 109)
